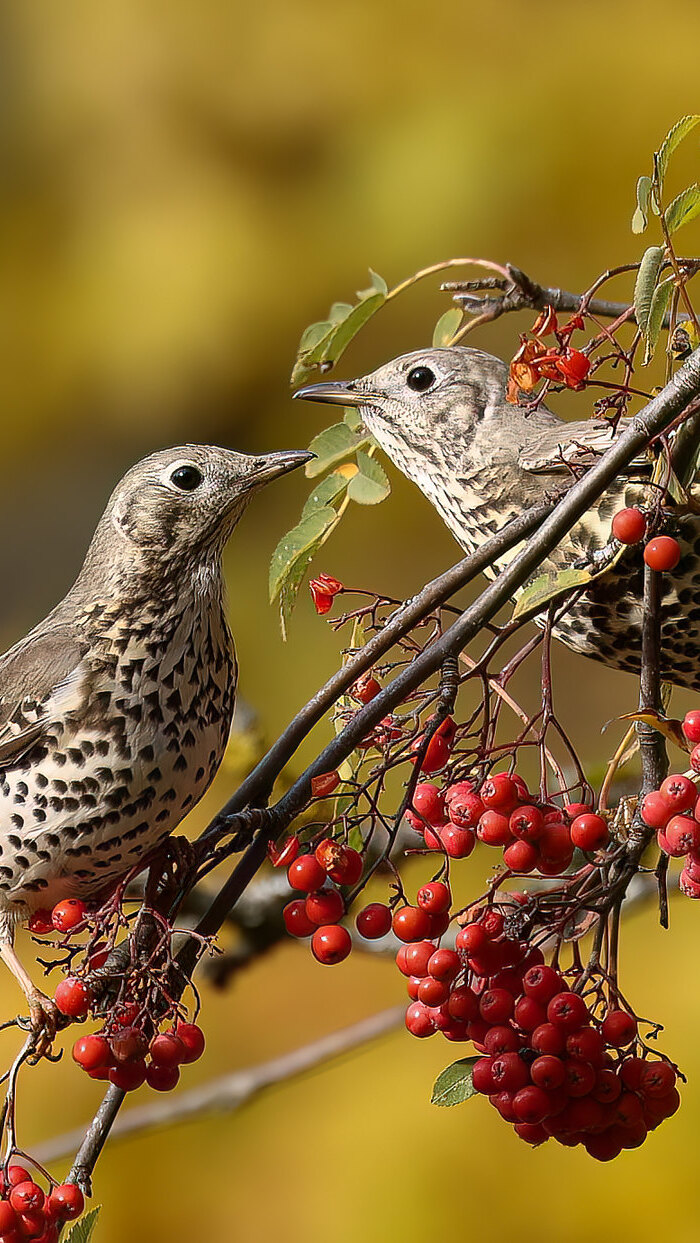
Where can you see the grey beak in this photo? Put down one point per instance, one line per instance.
(335, 393)
(275, 464)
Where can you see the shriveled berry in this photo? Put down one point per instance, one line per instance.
(330, 944)
(282, 856)
(365, 688)
(373, 921)
(324, 784)
(41, 922)
(347, 869)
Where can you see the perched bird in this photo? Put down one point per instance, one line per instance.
(442, 417)
(115, 710)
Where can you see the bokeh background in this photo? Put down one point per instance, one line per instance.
(183, 188)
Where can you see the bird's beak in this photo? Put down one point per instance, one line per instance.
(275, 464)
(336, 393)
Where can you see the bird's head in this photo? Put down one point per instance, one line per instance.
(182, 504)
(419, 399)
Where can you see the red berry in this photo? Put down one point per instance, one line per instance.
(548, 1072)
(27, 1197)
(520, 857)
(655, 810)
(658, 1079)
(67, 914)
(457, 843)
(493, 829)
(695, 759)
(509, 1073)
(587, 1045)
(492, 922)
(373, 921)
(528, 1014)
(325, 906)
(66, 1202)
(296, 921)
(433, 992)
(580, 1077)
(526, 823)
(73, 997)
(410, 923)
(463, 805)
(162, 1078)
(472, 938)
(682, 833)
(691, 726)
(482, 1077)
(435, 898)
(688, 885)
(679, 792)
(8, 1220)
(365, 688)
(619, 1028)
(542, 983)
(629, 526)
(499, 793)
(444, 964)
(416, 957)
(662, 553)
(418, 1020)
(331, 944)
(555, 843)
(589, 832)
(463, 1004)
(192, 1038)
(41, 922)
(548, 1039)
(436, 755)
(607, 1086)
(427, 804)
(129, 1075)
(531, 1104)
(531, 1134)
(282, 856)
(306, 874)
(91, 1052)
(501, 1039)
(167, 1050)
(567, 1010)
(347, 869)
(496, 1005)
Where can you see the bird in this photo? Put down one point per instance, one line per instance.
(115, 710)
(442, 417)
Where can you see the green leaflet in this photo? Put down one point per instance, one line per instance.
(673, 139)
(333, 446)
(454, 1084)
(82, 1231)
(370, 485)
(292, 556)
(550, 586)
(684, 208)
(646, 284)
(657, 311)
(447, 326)
(323, 343)
(640, 218)
(325, 492)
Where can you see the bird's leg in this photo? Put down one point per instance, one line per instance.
(42, 1009)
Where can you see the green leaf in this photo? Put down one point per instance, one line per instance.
(447, 326)
(454, 1084)
(351, 325)
(657, 311)
(646, 283)
(370, 485)
(325, 492)
(378, 282)
(640, 218)
(553, 584)
(668, 726)
(323, 343)
(82, 1231)
(353, 418)
(684, 208)
(339, 311)
(292, 556)
(333, 446)
(672, 140)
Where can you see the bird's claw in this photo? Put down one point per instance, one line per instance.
(44, 1018)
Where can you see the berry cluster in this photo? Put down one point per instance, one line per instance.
(501, 812)
(125, 1056)
(319, 876)
(674, 811)
(548, 1065)
(662, 553)
(28, 1212)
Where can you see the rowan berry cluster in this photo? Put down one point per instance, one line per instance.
(662, 553)
(129, 1050)
(28, 1212)
(549, 1065)
(674, 811)
(319, 876)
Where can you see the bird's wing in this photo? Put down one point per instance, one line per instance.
(39, 678)
(558, 447)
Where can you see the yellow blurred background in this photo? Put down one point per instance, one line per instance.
(186, 186)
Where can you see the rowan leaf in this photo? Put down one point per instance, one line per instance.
(549, 586)
(370, 485)
(323, 343)
(447, 326)
(640, 218)
(646, 284)
(293, 555)
(657, 312)
(454, 1084)
(673, 139)
(82, 1231)
(325, 493)
(333, 446)
(684, 208)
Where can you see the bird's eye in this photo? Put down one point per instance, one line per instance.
(420, 379)
(186, 477)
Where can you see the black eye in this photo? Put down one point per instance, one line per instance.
(186, 477)
(420, 379)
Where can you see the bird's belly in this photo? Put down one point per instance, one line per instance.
(77, 820)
